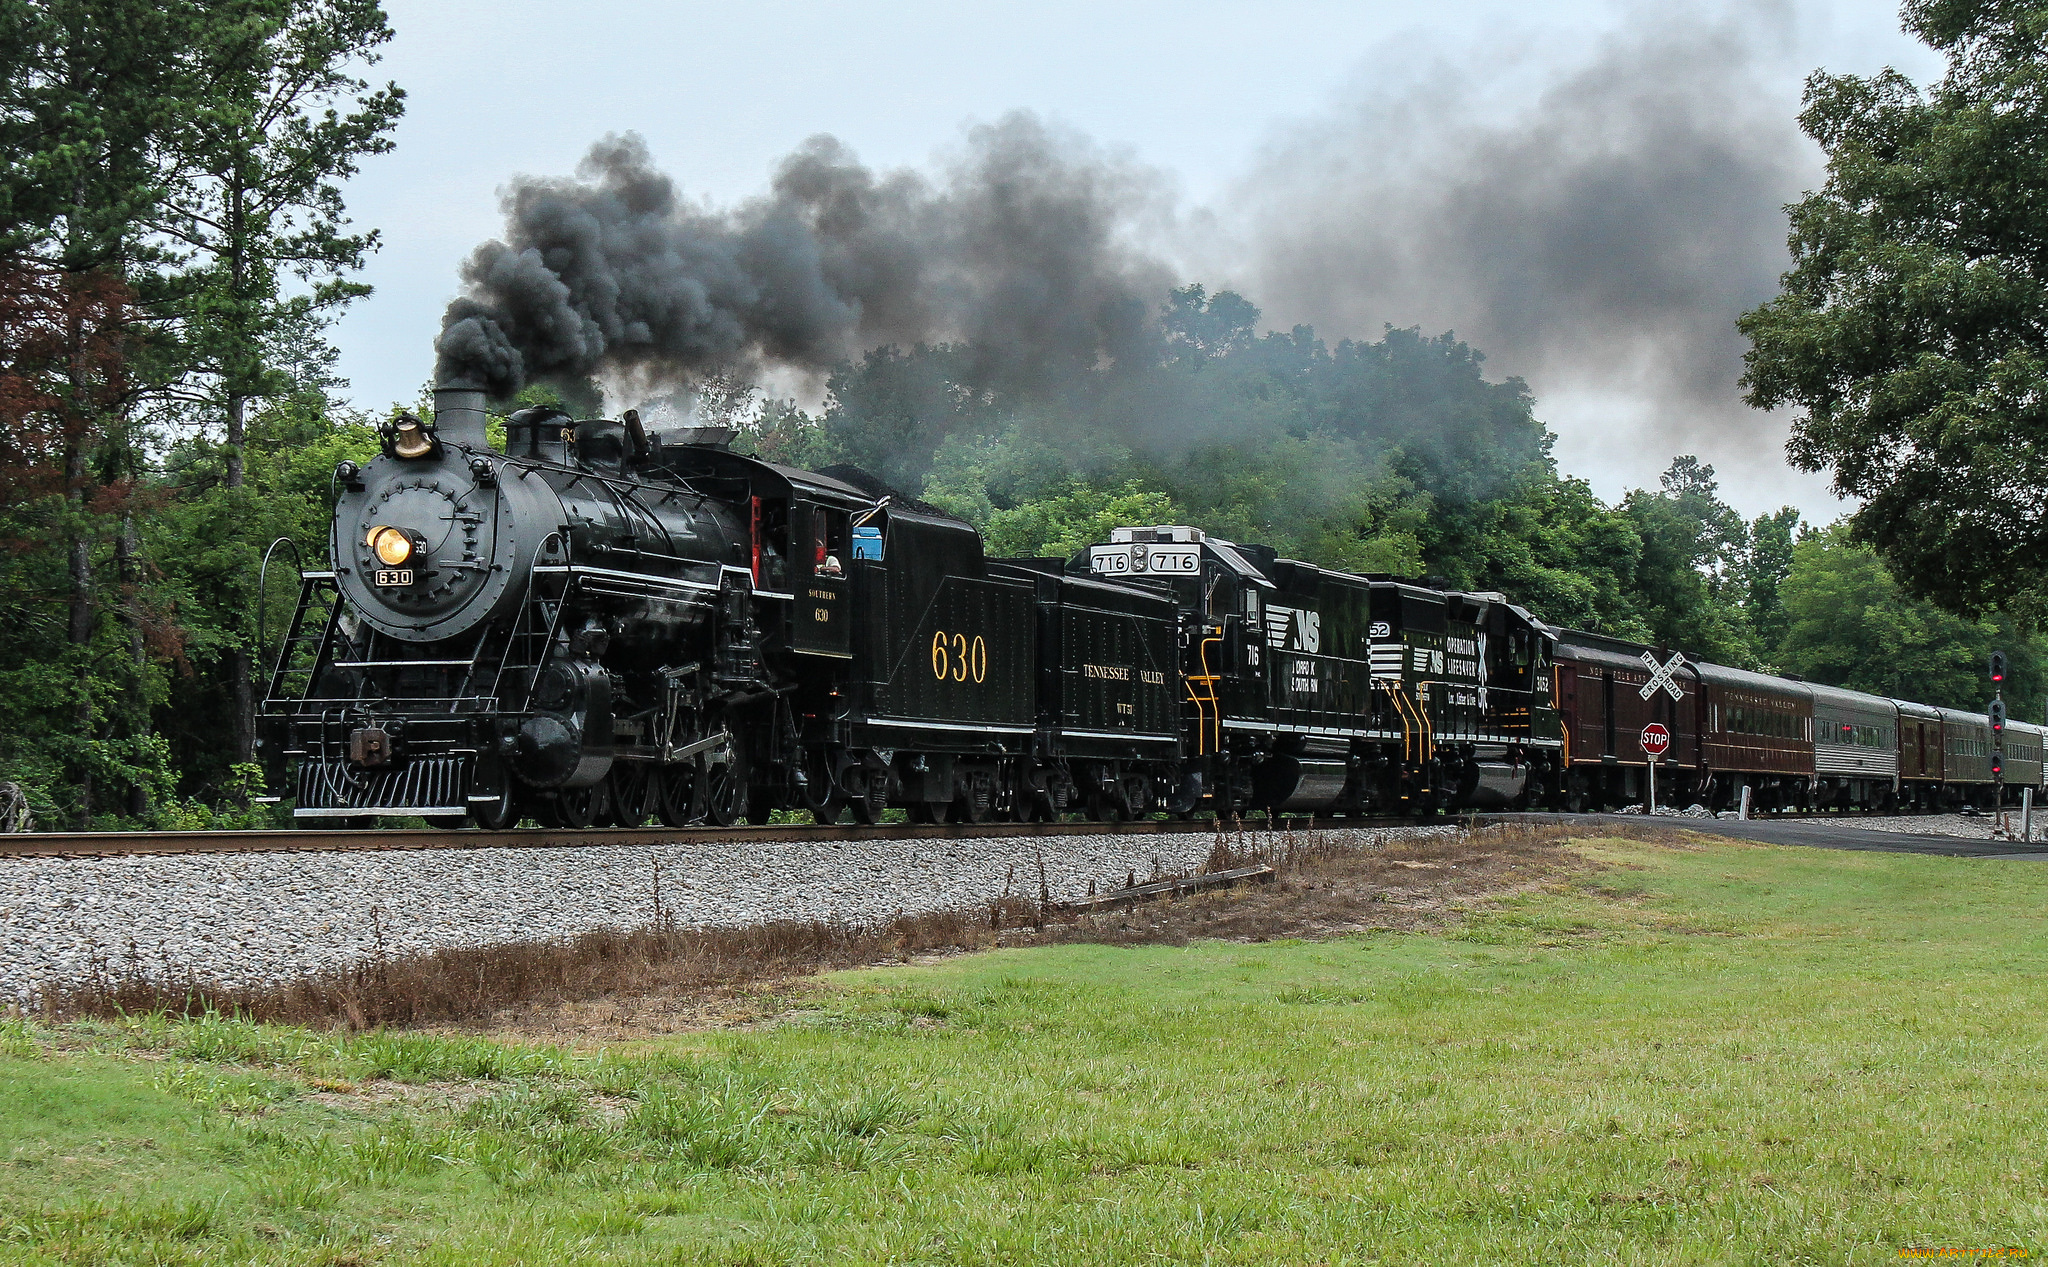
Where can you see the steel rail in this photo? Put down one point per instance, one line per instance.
(108, 844)
(114, 844)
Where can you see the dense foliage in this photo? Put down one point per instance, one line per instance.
(1912, 331)
(173, 242)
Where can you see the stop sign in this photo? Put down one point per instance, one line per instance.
(1656, 739)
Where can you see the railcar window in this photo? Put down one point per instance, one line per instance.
(1860, 735)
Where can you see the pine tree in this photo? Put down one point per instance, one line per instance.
(281, 121)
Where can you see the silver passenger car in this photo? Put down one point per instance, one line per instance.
(1855, 748)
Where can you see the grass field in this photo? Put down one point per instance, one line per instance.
(1729, 1054)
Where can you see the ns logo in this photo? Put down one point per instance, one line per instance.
(1294, 629)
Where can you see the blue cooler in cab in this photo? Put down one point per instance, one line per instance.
(867, 543)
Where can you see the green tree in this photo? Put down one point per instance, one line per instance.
(87, 90)
(210, 545)
(1759, 574)
(1850, 623)
(1199, 326)
(1062, 523)
(1912, 330)
(1553, 547)
(1691, 542)
(283, 121)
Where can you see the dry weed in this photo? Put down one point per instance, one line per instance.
(665, 977)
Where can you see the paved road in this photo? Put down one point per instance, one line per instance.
(1806, 831)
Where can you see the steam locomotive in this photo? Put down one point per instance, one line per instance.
(602, 625)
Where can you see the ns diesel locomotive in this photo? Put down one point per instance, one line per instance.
(600, 625)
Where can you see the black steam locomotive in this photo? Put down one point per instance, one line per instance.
(602, 625)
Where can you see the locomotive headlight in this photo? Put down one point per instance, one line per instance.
(392, 546)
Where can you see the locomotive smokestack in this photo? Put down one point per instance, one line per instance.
(459, 415)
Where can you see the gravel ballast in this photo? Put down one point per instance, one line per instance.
(1964, 826)
(245, 919)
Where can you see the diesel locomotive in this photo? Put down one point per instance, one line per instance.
(602, 624)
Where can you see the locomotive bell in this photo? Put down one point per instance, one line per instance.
(412, 438)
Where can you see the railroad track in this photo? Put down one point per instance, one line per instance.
(107, 844)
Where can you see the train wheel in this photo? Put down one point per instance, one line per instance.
(1137, 795)
(584, 807)
(725, 799)
(822, 795)
(1023, 806)
(975, 801)
(500, 814)
(869, 797)
(632, 792)
(675, 796)
(760, 809)
(1102, 809)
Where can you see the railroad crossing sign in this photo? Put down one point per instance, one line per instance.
(1661, 675)
(1656, 739)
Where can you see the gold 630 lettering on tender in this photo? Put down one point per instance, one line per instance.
(958, 657)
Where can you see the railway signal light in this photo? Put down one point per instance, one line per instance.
(1997, 717)
(1997, 765)
(1997, 668)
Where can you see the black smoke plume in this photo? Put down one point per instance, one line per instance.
(1022, 246)
(1601, 238)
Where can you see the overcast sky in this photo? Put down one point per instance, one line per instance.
(1346, 164)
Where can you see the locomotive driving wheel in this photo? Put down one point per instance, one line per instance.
(676, 795)
(580, 808)
(633, 792)
(725, 794)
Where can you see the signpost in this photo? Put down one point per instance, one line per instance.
(1656, 740)
(1996, 716)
